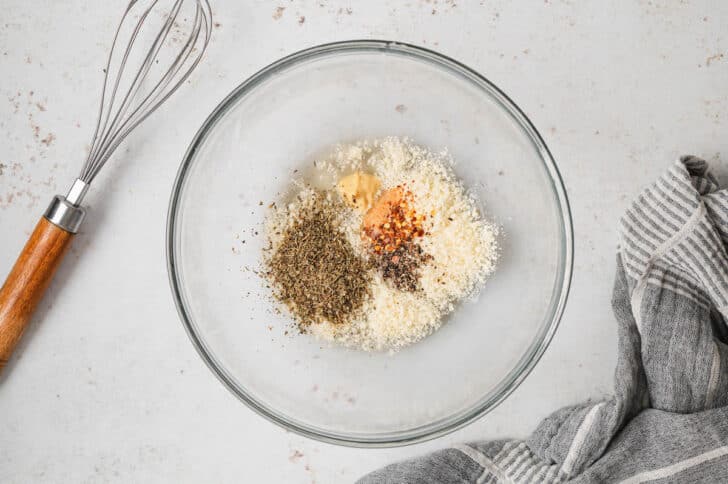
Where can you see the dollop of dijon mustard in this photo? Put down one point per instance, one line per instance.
(359, 189)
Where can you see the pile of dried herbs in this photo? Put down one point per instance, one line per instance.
(314, 269)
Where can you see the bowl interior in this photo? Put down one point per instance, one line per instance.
(282, 120)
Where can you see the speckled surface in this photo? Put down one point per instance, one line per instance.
(106, 386)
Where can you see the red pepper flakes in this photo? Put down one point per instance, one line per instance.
(393, 222)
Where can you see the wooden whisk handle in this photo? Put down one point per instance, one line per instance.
(28, 280)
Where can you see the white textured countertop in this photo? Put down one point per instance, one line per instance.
(106, 386)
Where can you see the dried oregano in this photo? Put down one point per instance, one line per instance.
(314, 269)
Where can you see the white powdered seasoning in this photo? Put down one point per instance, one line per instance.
(461, 243)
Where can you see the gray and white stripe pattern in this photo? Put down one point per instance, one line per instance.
(680, 221)
(671, 384)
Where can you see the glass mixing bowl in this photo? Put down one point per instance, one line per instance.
(278, 121)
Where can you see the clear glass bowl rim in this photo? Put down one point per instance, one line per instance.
(558, 303)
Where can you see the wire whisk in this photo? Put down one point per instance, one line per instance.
(166, 41)
(128, 97)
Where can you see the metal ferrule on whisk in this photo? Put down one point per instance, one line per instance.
(66, 212)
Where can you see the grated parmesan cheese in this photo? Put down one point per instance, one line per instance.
(462, 244)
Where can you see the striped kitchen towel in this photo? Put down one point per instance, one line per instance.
(668, 418)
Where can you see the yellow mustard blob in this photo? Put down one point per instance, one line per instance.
(359, 189)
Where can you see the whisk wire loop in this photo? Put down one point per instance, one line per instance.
(118, 114)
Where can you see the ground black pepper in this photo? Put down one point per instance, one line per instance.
(401, 266)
